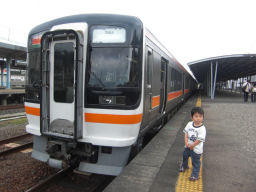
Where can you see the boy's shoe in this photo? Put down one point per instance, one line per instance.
(182, 169)
(192, 178)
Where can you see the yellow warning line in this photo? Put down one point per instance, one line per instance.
(183, 184)
(199, 101)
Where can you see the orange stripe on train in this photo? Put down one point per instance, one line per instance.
(155, 101)
(174, 95)
(112, 119)
(186, 90)
(32, 111)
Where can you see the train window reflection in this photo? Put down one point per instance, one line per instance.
(33, 76)
(114, 72)
(113, 67)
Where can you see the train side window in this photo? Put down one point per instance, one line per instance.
(149, 65)
(156, 77)
(163, 68)
(176, 80)
(179, 80)
(173, 74)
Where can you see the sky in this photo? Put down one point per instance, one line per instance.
(190, 29)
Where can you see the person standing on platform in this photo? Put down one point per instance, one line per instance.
(194, 137)
(246, 87)
(253, 93)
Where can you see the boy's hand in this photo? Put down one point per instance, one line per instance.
(191, 147)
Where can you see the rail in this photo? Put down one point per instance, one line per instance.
(44, 182)
(16, 148)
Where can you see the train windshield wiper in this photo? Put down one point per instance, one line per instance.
(98, 79)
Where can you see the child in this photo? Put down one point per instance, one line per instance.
(195, 133)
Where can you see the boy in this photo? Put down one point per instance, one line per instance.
(195, 133)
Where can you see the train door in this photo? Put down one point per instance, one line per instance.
(163, 88)
(62, 87)
(148, 84)
(61, 100)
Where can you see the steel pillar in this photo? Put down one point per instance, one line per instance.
(8, 84)
(214, 83)
(209, 83)
(211, 80)
(2, 76)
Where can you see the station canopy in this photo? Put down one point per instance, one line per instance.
(228, 67)
(212, 70)
(12, 51)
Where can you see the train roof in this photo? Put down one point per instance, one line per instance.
(112, 19)
(160, 45)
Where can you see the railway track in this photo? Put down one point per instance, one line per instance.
(14, 144)
(18, 106)
(40, 185)
(60, 180)
(12, 117)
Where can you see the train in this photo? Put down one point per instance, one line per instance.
(96, 85)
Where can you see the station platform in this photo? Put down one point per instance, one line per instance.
(228, 161)
(11, 96)
(11, 91)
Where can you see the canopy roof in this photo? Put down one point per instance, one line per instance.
(11, 51)
(229, 67)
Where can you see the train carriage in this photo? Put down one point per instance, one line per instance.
(96, 85)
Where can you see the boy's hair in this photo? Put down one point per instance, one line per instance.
(197, 110)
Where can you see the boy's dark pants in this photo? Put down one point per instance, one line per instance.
(196, 162)
(246, 96)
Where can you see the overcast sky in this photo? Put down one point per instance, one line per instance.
(189, 29)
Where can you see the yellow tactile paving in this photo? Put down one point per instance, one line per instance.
(183, 184)
(199, 101)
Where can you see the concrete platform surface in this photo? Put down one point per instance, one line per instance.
(230, 148)
(229, 159)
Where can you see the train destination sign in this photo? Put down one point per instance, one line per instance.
(104, 34)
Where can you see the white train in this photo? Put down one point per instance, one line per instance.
(96, 85)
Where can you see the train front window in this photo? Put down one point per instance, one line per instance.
(33, 76)
(113, 76)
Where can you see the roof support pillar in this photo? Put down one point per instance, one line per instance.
(2, 76)
(8, 86)
(208, 83)
(215, 77)
(211, 80)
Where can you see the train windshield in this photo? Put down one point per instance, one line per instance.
(113, 67)
(33, 76)
(113, 76)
